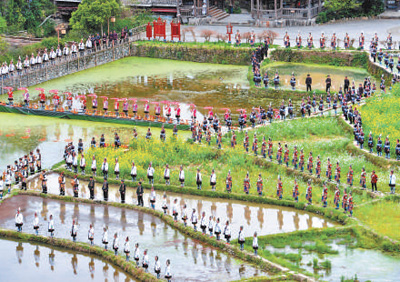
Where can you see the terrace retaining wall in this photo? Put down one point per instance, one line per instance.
(338, 58)
(199, 54)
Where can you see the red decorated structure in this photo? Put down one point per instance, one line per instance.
(149, 31)
(229, 31)
(159, 28)
(176, 31)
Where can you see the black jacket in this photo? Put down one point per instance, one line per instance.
(91, 185)
(139, 190)
(122, 188)
(105, 186)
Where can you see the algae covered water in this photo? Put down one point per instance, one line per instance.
(158, 80)
(22, 261)
(215, 85)
(318, 74)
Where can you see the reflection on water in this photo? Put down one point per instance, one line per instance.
(264, 219)
(368, 265)
(20, 134)
(149, 231)
(317, 73)
(30, 262)
(219, 86)
(214, 85)
(157, 79)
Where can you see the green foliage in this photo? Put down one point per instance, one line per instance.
(315, 263)
(236, 10)
(338, 9)
(383, 217)
(298, 129)
(141, 17)
(27, 15)
(3, 24)
(326, 264)
(3, 46)
(322, 17)
(290, 257)
(338, 5)
(380, 116)
(360, 59)
(94, 14)
(320, 247)
(48, 28)
(51, 42)
(372, 7)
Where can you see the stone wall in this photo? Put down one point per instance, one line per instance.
(66, 66)
(378, 71)
(199, 54)
(338, 58)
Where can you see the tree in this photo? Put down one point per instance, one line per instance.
(337, 9)
(3, 24)
(94, 14)
(373, 7)
(27, 15)
(342, 5)
(3, 46)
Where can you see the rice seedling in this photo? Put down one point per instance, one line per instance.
(383, 217)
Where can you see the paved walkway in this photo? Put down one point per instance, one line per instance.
(241, 19)
(354, 28)
(390, 14)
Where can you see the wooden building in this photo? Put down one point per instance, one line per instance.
(285, 9)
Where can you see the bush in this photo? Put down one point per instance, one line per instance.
(326, 264)
(48, 28)
(237, 10)
(51, 42)
(207, 33)
(140, 18)
(3, 24)
(372, 7)
(322, 18)
(338, 9)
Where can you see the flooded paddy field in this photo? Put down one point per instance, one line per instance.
(21, 261)
(265, 219)
(149, 231)
(20, 134)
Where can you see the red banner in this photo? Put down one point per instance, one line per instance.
(149, 31)
(176, 31)
(159, 28)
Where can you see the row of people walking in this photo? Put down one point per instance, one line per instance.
(145, 262)
(19, 172)
(45, 57)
